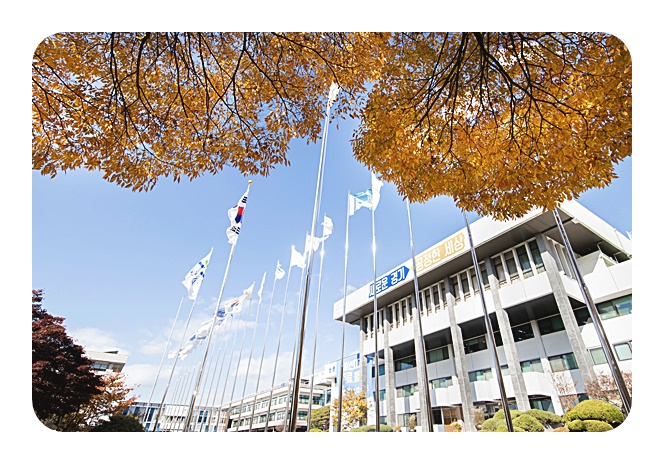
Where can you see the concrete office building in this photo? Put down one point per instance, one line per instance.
(547, 345)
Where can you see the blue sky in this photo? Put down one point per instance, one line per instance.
(111, 261)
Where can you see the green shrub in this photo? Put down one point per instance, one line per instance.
(490, 425)
(503, 428)
(527, 423)
(589, 425)
(500, 414)
(595, 410)
(371, 428)
(545, 417)
(315, 430)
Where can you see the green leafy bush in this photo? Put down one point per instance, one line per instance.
(490, 425)
(500, 414)
(545, 417)
(527, 423)
(315, 430)
(589, 425)
(595, 410)
(371, 428)
(503, 428)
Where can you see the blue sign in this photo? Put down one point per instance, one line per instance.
(389, 280)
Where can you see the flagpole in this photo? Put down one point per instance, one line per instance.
(163, 356)
(260, 365)
(251, 351)
(421, 362)
(319, 184)
(276, 356)
(594, 315)
(184, 334)
(214, 320)
(492, 339)
(375, 319)
(290, 398)
(223, 362)
(313, 360)
(239, 358)
(224, 427)
(214, 373)
(343, 318)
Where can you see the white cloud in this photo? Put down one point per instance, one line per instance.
(93, 339)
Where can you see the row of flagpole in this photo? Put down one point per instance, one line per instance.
(369, 199)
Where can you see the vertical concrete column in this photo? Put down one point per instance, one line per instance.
(460, 362)
(421, 370)
(509, 347)
(389, 382)
(566, 312)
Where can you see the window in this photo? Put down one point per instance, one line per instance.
(485, 275)
(498, 338)
(381, 395)
(550, 324)
(511, 266)
(522, 332)
(434, 297)
(524, 261)
(441, 383)
(302, 415)
(439, 354)
(563, 362)
(624, 351)
(582, 316)
(537, 258)
(484, 374)
(504, 370)
(381, 370)
(614, 308)
(464, 284)
(533, 365)
(403, 364)
(474, 345)
(407, 390)
(598, 356)
(500, 272)
(543, 404)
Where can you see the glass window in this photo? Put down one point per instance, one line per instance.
(498, 338)
(598, 356)
(624, 351)
(537, 258)
(498, 264)
(434, 293)
(563, 362)
(582, 316)
(623, 305)
(543, 404)
(381, 394)
(485, 275)
(441, 383)
(473, 278)
(464, 284)
(533, 365)
(484, 374)
(381, 370)
(406, 390)
(550, 324)
(618, 307)
(524, 261)
(403, 364)
(439, 354)
(505, 370)
(455, 287)
(511, 265)
(522, 332)
(474, 345)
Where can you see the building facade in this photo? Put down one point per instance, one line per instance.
(547, 345)
(106, 361)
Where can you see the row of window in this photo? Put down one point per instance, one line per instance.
(518, 263)
(302, 399)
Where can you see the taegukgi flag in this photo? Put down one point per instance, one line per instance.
(192, 281)
(235, 214)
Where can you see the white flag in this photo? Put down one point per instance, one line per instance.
(375, 191)
(358, 200)
(297, 259)
(315, 243)
(328, 227)
(260, 290)
(332, 94)
(235, 214)
(279, 272)
(192, 281)
(234, 305)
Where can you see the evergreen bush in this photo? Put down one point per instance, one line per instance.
(503, 428)
(545, 417)
(500, 414)
(315, 430)
(589, 425)
(595, 410)
(527, 423)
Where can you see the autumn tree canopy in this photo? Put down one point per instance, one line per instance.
(500, 122)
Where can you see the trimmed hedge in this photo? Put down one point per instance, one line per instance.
(315, 430)
(595, 410)
(500, 414)
(589, 425)
(503, 428)
(527, 423)
(545, 417)
(372, 428)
